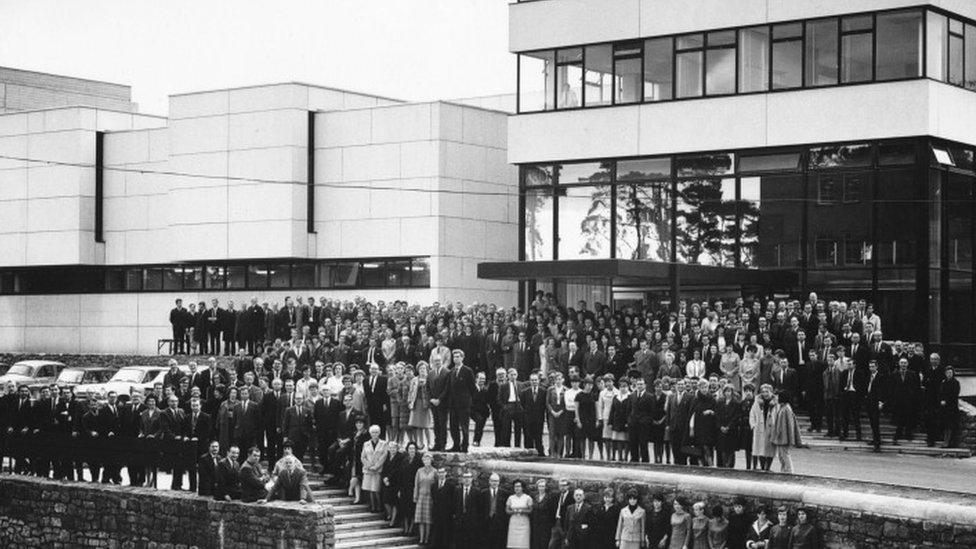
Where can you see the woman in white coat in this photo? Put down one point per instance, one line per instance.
(761, 418)
(374, 456)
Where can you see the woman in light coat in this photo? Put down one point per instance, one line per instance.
(374, 456)
(784, 432)
(761, 419)
(630, 524)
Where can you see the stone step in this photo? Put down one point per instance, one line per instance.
(364, 533)
(356, 517)
(855, 446)
(400, 542)
(350, 509)
(374, 524)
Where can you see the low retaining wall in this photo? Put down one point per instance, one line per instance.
(851, 516)
(47, 513)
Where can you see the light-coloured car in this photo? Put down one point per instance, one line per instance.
(33, 372)
(129, 379)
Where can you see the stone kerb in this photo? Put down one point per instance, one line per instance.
(46, 513)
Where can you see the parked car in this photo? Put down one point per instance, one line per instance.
(35, 373)
(127, 380)
(80, 375)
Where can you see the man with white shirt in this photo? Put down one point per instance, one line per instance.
(511, 412)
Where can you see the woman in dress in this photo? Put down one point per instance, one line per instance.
(607, 394)
(680, 537)
(390, 490)
(556, 405)
(749, 367)
(729, 366)
(374, 456)
(226, 421)
(393, 392)
(699, 527)
(519, 508)
(423, 482)
(408, 476)
(658, 522)
(334, 381)
(727, 420)
(718, 529)
(631, 524)
(356, 461)
(586, 418)
(418, 400)
(618, 419)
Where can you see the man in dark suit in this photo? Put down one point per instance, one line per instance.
(859, 351)
(679, 414)
(852, 390)
(874, 395)
(228, 485)
(469, 518)
(228, 325)
(493, 350)
(177, 320)
(199, 379)
(784, 378)
(522, 353)
(495, 500)
(272, 414)
(325, 416)
(171, 422)
(642, 404)
(248, 426)
(578, 522)
(197, 428)
(442, 496)
(253, 477)
(377, 398)
(511, 414)
(470, 342)
(594, 361)
(438, 384)
(461, 388)
(109, 426)
(881, 351)
(812, 389)
(556, 513)
(207, 467)
(297, 426)
(903, 394)
(130, 414)
(212, 318)
(533, 402)
(43, 422)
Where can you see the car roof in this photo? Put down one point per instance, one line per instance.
(91, 368)
(144, 367)
(39, 362)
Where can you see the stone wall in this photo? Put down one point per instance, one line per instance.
(46, 513)
(851, 515)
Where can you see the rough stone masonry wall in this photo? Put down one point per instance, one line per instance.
(851, 515)
(46, 513)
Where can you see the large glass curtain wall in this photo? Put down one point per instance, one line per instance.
(852, 49)
(861, 218)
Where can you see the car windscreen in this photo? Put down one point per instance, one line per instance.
(20, 370)
(71, 376)
(129, 376)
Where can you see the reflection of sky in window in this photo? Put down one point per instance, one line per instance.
(584, 223)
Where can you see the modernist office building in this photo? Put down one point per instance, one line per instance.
(266, 191)
(705, 148)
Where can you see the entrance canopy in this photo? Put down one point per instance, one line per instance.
(630, 272)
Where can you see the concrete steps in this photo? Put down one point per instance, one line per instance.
(355, 526)
(916, 446)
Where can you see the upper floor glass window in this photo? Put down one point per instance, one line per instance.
(886, 45)
(899, 49)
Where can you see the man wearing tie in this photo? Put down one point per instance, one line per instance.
(905, 390)
(469, 522)
(442, 495)
(557, 536)
(213, 316)
(377, 398)
(874, 401)
(462, 388)
(493, 350)
(207, 470)
(273, 413)
(326, 420)
(850, 398)
(247, 429)
(171, 422)
(534, 414)
(511, 414)
(298, 427)
(197, 429)
(110, 424)
(438, 385)
(578, 518)
(228, 485)
(497, 516)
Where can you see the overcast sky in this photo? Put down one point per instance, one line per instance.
(410, 49)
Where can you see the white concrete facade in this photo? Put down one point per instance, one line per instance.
(224, 178)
